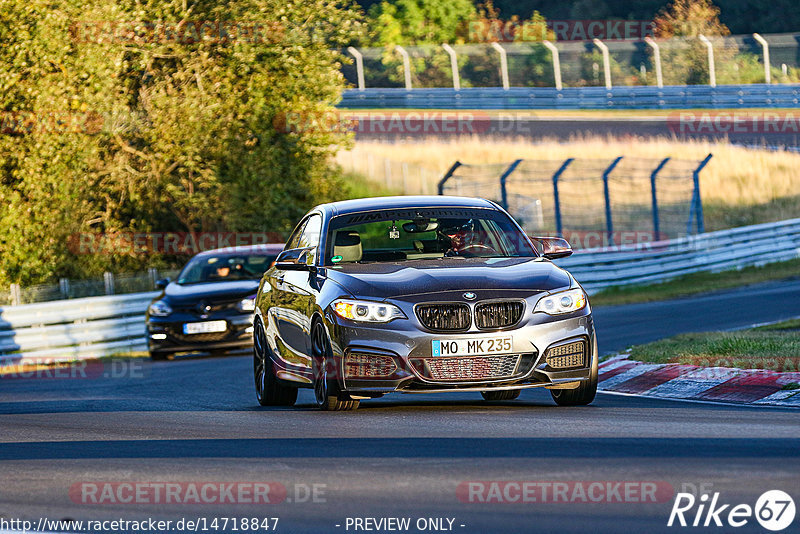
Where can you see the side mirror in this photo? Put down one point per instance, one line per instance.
(554, 247)
(162, 283)
(297, 259)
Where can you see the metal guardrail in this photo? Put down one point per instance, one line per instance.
(100, 326)
(654, 262)
(633, 97)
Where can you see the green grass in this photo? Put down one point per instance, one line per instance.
(694, 283)
(775, 347)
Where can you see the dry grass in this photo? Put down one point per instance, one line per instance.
(739, 186)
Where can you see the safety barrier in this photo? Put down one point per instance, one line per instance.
(623, 97)
(99, 326)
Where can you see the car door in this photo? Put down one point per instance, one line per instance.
(293, 298)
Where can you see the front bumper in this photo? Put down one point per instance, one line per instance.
(166, 334)
(406, 343)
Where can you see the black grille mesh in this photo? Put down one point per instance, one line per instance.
(498, 314)
(444, 317)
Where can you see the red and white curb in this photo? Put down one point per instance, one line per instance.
(716, 384)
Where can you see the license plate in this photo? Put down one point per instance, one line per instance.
(471, 347)
(205, 327)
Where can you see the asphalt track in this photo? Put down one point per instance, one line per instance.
(527, 126)
(195, 419)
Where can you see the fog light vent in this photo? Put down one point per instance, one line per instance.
(567, 356)
(363, 365)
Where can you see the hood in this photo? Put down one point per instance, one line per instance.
(391, 280)
(211, 291)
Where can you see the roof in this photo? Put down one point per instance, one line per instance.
(405, 202)
(265, 248)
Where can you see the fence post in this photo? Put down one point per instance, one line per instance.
(404, 171)
(606, 61)
(698, 204)
(765, 46)
(406, 65)
(556, 63)
(607, 195)
(359, 66)
(503, 64)
(153, 272)
(712, 74)
(108, 279)
(453, 65)
(503, 178)
(656, 59)
(447, 176)
(654, 197)
(16, 295)
(556, 202)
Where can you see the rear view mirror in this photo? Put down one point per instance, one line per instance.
(420, 226)
(553, 247)
(162, 283)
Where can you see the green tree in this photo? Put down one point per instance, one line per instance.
(186, 140)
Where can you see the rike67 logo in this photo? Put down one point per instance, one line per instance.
(774, 510)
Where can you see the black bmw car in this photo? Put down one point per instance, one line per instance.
(209, 307)
(420, 295)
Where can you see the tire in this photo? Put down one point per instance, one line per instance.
(505, 395)
(161, 356)
(326, 387)
(269, 391)
(583, 394)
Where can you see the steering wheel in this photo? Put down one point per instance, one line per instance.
(476, 249)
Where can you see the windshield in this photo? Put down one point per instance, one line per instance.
(424, 234)
(224, 267)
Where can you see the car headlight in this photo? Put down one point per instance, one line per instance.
(562, 302)
(367, 312)
(159, 309)
(247, 305)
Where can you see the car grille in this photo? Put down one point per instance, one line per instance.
(467, 368)
(567, 356)
(444, 317)
(500, 314)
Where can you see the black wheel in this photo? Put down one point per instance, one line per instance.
(583, 394)
(269, 391)
(160, 356)
(507, 394)
(326, 386)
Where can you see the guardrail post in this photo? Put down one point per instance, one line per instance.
(556, 201)
(656, 59)
(654, 198)
(607, 195)
(16, 295)
(406, 65)
(556, 63)
(696, 199)
(765, 46)
(63, 287)
(503, 64)
(503, 178)
(453, 65)
(712, 74)
(108, 279)
(606, 61)
(153, 274)
(447, 176)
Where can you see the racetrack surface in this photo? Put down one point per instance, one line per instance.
(195, 419)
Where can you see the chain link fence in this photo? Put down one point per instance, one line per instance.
(108, 284)
(591, 202)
